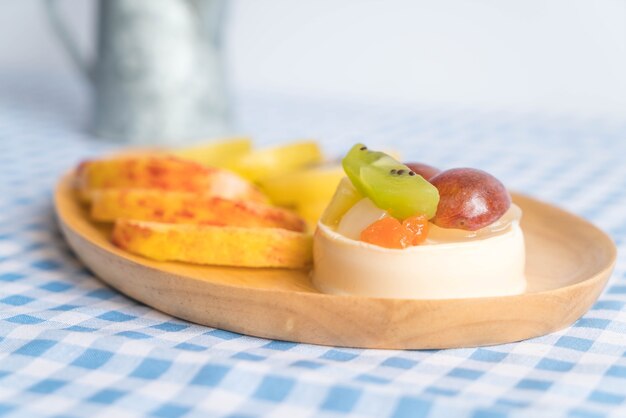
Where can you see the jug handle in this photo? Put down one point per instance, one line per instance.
(67, 40)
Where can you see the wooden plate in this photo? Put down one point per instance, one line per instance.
(568, 264)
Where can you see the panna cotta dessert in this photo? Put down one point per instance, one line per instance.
(409, 231)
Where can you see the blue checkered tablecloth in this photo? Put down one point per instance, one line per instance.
(72, 347)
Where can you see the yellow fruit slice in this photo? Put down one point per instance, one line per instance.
(166, 173)
(226, 246)
(313, 185)
(271, 162)
(188, 208)
(312, 212)
(220, 153)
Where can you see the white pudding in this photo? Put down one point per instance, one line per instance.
(479, 265)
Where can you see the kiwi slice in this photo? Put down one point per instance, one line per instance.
(391, 185)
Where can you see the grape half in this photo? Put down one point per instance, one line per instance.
(470, 199)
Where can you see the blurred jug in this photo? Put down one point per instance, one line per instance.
(158, 76)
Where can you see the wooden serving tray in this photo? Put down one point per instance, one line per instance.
(568, 263)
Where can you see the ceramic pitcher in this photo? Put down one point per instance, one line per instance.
(158, 75)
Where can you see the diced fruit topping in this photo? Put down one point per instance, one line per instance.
(344, 198)
(359, 217)
(391, 233)
(424, 170)
(470, 199)
(386, 232)
(418, 226)
(391, 185)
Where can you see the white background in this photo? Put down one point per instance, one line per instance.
(549, 55)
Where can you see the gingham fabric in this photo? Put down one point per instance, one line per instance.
(72, 347)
